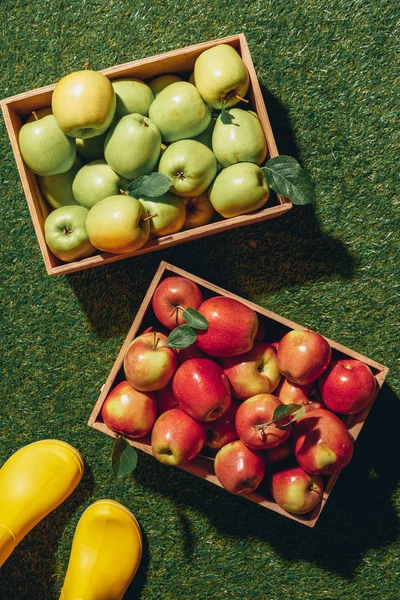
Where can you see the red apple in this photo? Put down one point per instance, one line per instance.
(296, 491)
(347, 386)
(278, 453)
(293, 393)
(171, 295)
(176, 438)
(149, 363)
(303, 356)
(321, 442)
(239, 469)
(190, 352)
(221, 431)
(232, 327)
(255, 372)
(128, 411)
(166, 399)
(201, 389)
(252, 418)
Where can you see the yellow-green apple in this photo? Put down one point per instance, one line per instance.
(294, 393)
(133, 96)
(205, 137)
(201, 389)
(133, 145)
(221, 76)
(96, 180)
(66, 235)
(166, 399)
(254, 422)
(90, 149)
(159, 83)
(322, 444)
(180, 112)
(296, 491)
(167, 213)
(45, 149)
(254, 372)
(238, 468)
(149, 363)
(176, 438)
(199, 211)
(190, 165)
(278, 453)
(171, 296)
(241, 140)
(222, 430)
(303, 356)
(347, 386)
(128, 411)
(232, 327)
(118, 224)
(83, 103)
(57, 189)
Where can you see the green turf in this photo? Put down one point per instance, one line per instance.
(328, 74)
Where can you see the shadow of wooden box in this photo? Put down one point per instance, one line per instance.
(202, 465)
(17, 108)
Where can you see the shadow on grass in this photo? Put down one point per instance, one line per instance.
(359, 514)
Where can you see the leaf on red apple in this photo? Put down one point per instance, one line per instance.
(281, 412)
(287, 178)
(152, 185)
(181, 337)
(124, 458)
(194, 318)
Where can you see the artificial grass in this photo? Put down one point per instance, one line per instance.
(327, 72)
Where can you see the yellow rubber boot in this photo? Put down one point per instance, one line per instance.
(33, 482)
(105, 554)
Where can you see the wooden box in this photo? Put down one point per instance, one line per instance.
(202, 466)
(17, 108)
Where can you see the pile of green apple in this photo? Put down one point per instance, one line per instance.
(269, 408)
(120, 161)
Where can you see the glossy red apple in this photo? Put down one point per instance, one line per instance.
(128, 411)
(239, 469)
(293, 393)
(171, 295)
(221, 431)
(201, 389)
(176, 438)
(322, 444)
(255, 372)
(303, 356)
(232, 327)
(347, 386)
(149, 363)
(278, 453)
(252, 418)
(190, 352)
(296, 491)
(166, 399)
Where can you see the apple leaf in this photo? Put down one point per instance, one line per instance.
(226, 117)
(194, 318)
(181, 337)
(124, 458)
(286, 177)
(295, 411)
(152, 185)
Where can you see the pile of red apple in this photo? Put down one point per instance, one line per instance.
(270, 412)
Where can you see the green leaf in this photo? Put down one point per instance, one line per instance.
(181, 337)
(226, 117)
(152, 185)
(287, 178)
(194, 318)
(286, 410)
(124, 458)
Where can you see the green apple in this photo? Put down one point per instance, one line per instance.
(199, 211)
(170, 213)
(179, 112)
(221, 76)
(57, 189)
(66, 235)
(205, 137)
(118, 224)
(96, 181)
(190, 165)
(239, 189)
(133, 96)
(90, 149)
(83, 103)
(39, 114)
(45, 149)
(241, 140)
(159, 83)
(133, 146)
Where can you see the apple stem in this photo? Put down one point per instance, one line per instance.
(150, 217)
(86, 64)
(123, 192)
(35, 115)
(242, 99)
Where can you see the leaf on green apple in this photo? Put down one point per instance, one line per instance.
(181, 337)
(152, 185)
(281, 412)
(226, 117)
(194, 318)
(286, 177)
(124, 458)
